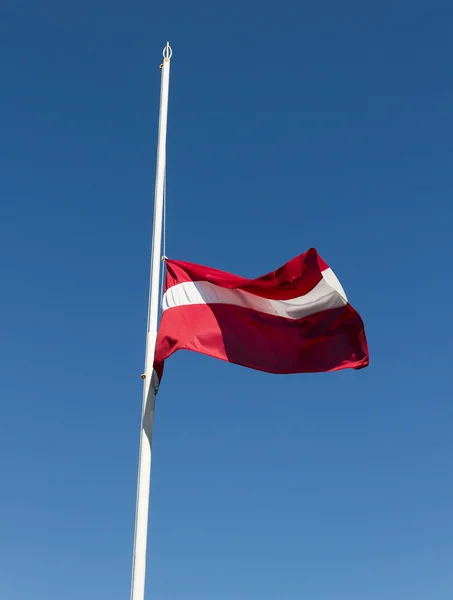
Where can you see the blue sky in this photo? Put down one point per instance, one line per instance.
(294, 125)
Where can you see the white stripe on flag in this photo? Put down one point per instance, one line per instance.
(332, 280)
(327, 294)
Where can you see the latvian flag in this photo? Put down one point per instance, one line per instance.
(296, 319)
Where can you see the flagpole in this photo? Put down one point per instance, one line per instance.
(149, 377)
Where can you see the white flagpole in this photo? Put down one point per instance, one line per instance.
(150, 382)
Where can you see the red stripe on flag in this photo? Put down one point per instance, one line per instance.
(296, 278)
(326, 341)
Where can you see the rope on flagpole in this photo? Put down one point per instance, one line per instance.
(167, 53)
(164, 242)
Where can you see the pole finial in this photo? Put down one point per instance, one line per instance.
(167, 51)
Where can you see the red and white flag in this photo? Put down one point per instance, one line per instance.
(296, 319)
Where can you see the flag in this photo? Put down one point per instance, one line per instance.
(296, 319)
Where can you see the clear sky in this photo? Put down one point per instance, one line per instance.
(291, 125)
